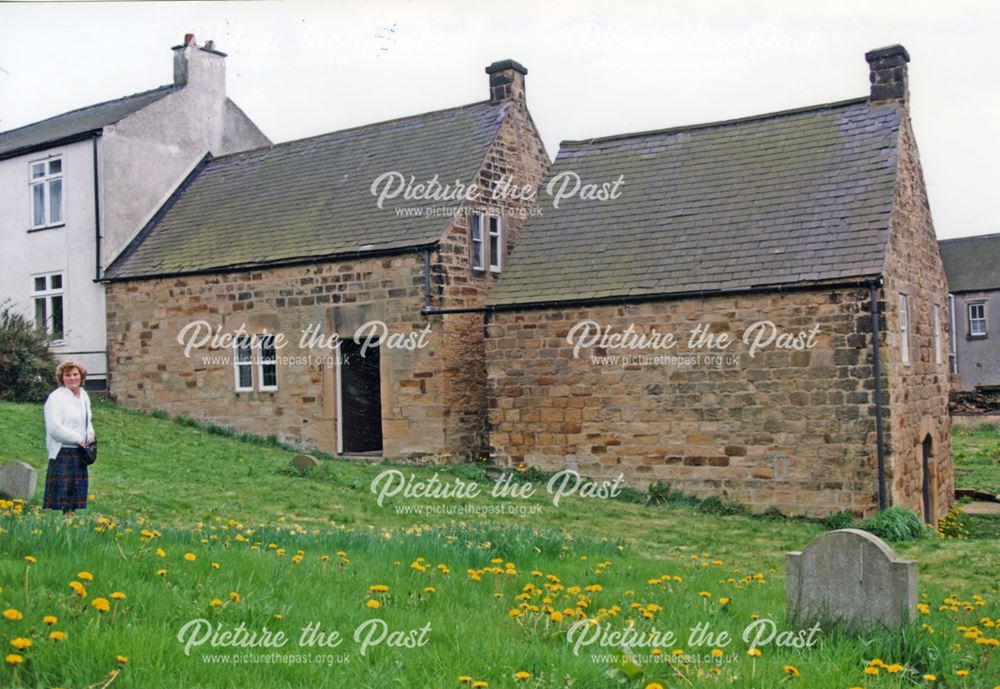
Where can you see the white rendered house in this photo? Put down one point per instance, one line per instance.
(76, 188)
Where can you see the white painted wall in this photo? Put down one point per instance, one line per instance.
(142, 159)
(69, 248)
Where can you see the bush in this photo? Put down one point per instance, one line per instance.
(26, 362)
(895, 524)
(838, 520)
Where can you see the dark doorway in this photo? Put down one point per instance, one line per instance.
(928, 447)
(360, 399)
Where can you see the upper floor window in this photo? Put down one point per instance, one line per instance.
(937, 335)
(47, 295)
(47, 193)
(904, 328)
(977, 320)
(487, 242)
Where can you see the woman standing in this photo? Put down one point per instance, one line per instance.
(68, 428)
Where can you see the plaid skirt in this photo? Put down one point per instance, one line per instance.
(66, 481)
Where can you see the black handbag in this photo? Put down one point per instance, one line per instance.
(89, 452)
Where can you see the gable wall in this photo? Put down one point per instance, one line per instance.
(917, 396)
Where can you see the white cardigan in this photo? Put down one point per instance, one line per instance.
(67, 419)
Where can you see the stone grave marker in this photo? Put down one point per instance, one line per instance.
(18, 480)
(851, 577)
(304, 462)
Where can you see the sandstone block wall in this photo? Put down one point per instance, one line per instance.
(789, 428)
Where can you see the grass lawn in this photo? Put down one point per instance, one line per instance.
(977, 457)
(193, 525)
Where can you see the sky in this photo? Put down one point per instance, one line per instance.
(594, 68)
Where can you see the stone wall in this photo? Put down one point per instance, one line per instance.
(918, 391)
(515, 160)
(149, 369)
(788, 428)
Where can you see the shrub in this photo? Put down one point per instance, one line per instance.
(26, 362)
(838, 520)
(895, 524)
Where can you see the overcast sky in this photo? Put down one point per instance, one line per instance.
(595, 68)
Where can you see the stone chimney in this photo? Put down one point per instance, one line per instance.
(506, 81)
(888, 74)
(201, 66)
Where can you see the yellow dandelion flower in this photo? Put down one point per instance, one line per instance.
(871, 670)
(718, 653)
(962, 673)
(522, 675)
(894, 668)
(160, 552)
(101, 604)
(118, 595)
(50, 620)
(216, 602)
(57, 636)
(14, 659)
(654, 685)
(121, 660)
(233, 596)
(479, 684)
(20, 643)
(190, 557)
(30, 559)
(930, 678)
(216, 565)
(373, 604)
(754, 653)
(464, 679)
(12, 614)
(791, 670)
(161, 572)
(86, 576)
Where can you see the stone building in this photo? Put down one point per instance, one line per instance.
(972, 265)
(378, 233)
(77, 187)
(795, 234)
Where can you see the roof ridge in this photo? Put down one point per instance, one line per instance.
(164, 87)
(995, 235)
(347, 129)
(719, 123)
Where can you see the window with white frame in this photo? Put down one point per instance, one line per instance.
(267, 364)
(255, 353)
(953, 334)
(495, 243)
(937, 335)
(243, 363)
(47, 295)
(977, 320)
(477, 242)
(904, 329)
(486, 237)
(47, 196)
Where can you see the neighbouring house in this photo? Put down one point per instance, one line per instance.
(76, 188)
(973, 268)
(309, 289)
(797, 235)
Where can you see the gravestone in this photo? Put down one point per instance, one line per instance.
(304, 462)
(18, 480)
(851, 577)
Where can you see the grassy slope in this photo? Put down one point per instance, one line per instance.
(175, 475)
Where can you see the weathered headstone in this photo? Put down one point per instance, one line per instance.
(304, 462)
(18, 480)
(851, 577)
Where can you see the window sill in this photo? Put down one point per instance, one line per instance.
(46, 227)
(977, 337)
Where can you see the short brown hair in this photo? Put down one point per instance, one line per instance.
(66, 366)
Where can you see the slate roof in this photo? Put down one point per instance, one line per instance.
(972, 263)
(75, 123)
(779, 199)
(312, 198)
